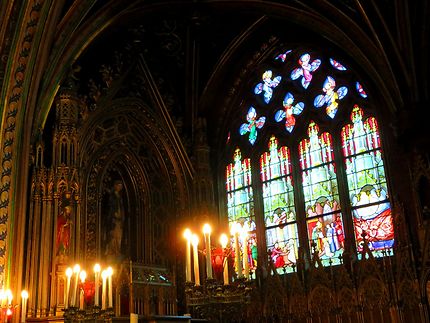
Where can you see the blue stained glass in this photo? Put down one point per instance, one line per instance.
(279, 211)
(367, 183)
(360, 90)
(252, 125)
(331, 96)
(337, 65)
(289, 111)
(305, 70)
(267, 86)
(283, 56)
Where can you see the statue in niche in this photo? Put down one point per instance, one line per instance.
(114, 221)
(64, 229)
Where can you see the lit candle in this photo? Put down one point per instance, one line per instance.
(69, 273)
(109, 276)
(244, 235)
(24, 297)
(187, 236)
(76, 270)
(96, 284)
(207, 233)
(82, 276)
(224, 241)
(9, 297)
(2, 298)
(195, 242)
(235, 232)
(104, 277)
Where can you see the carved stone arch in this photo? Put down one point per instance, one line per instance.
(145, 129)
(373, 293)
(347, 300)
(95, 181)
(321, 301)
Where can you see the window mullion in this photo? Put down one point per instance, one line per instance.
(344, 199)
(259, 214)
(299, 204)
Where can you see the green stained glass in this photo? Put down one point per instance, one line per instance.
(324, 221)
(367, 183)
(279, 211)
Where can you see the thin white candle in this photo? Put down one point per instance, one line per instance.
(104, 277)
(82, 276)
(69, 273)
(195, 242)
(207, 233)
(24, 297)
(96, 284)
(2, 298)
(110, 288)
(76, 270)
(238, 262)
(9, 297)
(224, 241)
(244, 235)
(187, 236)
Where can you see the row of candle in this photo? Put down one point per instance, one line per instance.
(77, 274)
(241, 265)
(6, 298)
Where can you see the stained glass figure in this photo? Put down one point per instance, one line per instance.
(267, 86)
(289, 112)
(367, 183)
(337, 65)
(279, 211)
(360, 90)
(252, 125)
(282, 57)
(305, 70)
(330, 97)
(320, 192)
(240, 201)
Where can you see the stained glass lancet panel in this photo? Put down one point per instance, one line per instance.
(279, 213)
(324, 219)
(367, 183)
(240, 205)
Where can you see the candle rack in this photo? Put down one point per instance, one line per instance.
(217, 302)
(89, 314)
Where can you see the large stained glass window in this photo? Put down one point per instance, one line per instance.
(367, 183)
(303, 111)
(321, 197)
(279, 213)
(240, 205)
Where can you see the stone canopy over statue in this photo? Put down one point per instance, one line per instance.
(114, 221)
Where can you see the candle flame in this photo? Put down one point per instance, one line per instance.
(109, 271)
(76, 269)
(104, 274)
(224, 240)
(195, 240)
(207, 229)
(24, 294)
(83, 276)
(69, 272)
(187, 234)
(97, 268)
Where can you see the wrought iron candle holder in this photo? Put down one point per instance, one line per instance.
(217, 302)
(90, 314)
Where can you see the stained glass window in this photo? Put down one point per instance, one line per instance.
(240, 203)
(367, 183)
(279, 213)
(324, 220)
(291, 123)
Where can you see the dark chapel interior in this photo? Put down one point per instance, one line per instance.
(298, 129)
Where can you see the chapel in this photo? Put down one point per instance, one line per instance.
(214, 161)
